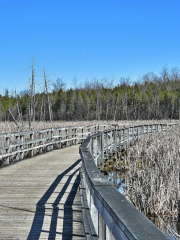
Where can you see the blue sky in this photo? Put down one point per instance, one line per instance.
(87, 39)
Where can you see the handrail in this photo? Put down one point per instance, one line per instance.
(20, 145)
(109, 214)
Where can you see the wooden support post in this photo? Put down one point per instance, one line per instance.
(111, 141)
(89, 130)
(102, 148)
(71, 136)
(67, 142)
(17, 147)
(47, 148)
(52, 146)
(123, 134)
(59, 144)
(102, 228)
(156, 127)
(31, 145)
(119, 139)
(95, 129)
(7, 151)
(106, 146)
(21, 146)
(142, 131)
(82, 134)
(133, 134)
(127, 133)
(75, 135)
(98, 150)
(115, 139)
(95, 149)
(40, 143)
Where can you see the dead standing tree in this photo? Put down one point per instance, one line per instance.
(32, 101)
(48, 98)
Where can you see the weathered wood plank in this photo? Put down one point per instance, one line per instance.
(40, 199)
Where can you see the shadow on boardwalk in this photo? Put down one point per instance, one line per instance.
(67, 232)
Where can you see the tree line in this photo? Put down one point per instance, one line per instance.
(151, 97)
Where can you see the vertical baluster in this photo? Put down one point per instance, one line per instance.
(17, 147)
(59, 144)
(89, 131)
(127, 145)
(95, 149)
(7, 150)
(102, 148)
(82, 134)
(52, 139)
(31, 144)
(106, 149)
(67, 142)
(111, 141)
(75, 135)
(119, 139)
(21, 146)
(102, 228)
(133, 134)
(47, 141)
(123, 134)
(40, 143)
(115, 139)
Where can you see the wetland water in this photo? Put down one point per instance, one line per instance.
(164, 222)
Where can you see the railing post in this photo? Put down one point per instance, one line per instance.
(95, 149)
(21, 146)
(111, 141)
(142, 131)
(72, 136)
(102, 228)
(7, 151)
(52, 146)
(40, 143)
(107, 142)
(59, 139)
(156, 127)
(82, 134)
(31, 145)
(47, 141)
(119, 135)
(94, 216)
(133, 134)
(115, 139)
(89, 130)
(127, 145)
(67, 143)
(95, 129)
(123, 133)
(17, 147)
(75, 135)
(102, 149)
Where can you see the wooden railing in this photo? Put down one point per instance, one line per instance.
(20, 145)
(107, 213)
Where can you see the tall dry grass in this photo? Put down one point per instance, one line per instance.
(153, 177)
(8, 127)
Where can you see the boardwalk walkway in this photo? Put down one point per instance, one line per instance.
(39, 198)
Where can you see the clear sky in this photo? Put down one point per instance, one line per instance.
(87, 39)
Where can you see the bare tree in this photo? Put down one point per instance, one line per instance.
(59, 84)
(48, 98)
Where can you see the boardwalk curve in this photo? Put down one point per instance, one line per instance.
(40, 198)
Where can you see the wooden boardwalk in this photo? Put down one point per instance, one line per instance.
(39, 197)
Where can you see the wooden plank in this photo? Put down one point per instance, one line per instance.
(40, 198)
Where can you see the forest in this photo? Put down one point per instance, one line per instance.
(151, 97)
